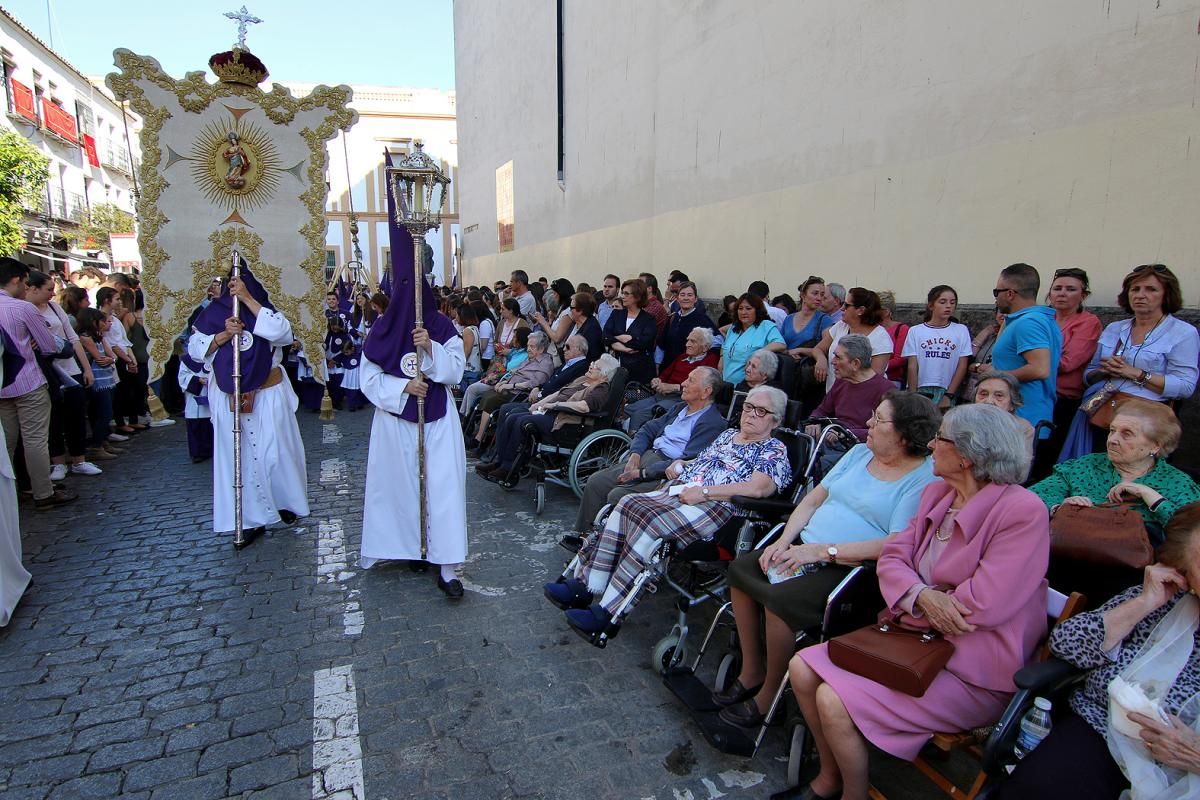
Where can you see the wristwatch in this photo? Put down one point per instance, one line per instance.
(832, 552)
(1142, 379)
(704, 491)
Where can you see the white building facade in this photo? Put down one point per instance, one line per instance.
(82, 130)
(888, 145)
(390, 119)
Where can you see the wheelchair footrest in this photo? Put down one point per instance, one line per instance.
(697, 697)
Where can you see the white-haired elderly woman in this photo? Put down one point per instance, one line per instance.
(692, 507)
(530, 374)
(1002, 390)
(584, 395)
(667, 386)
(970, 566)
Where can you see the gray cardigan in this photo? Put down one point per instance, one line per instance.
(708, 427)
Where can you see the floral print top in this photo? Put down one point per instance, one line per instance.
(726, 461)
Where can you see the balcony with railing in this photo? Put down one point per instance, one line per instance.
(75, 207)
(116, 158)
(58, 123)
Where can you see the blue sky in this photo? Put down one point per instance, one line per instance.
(393, 43)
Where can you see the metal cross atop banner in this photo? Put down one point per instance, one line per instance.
(243, 18)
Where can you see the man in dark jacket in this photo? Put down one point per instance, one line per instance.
(683, 432)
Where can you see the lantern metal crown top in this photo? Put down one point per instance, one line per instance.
(420, 190)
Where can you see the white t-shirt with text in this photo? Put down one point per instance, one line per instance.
(938, 351)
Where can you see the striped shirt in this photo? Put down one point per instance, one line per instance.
(25, 326)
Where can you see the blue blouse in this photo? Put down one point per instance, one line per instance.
(738, 348)
(1172, 349)
(813, 331)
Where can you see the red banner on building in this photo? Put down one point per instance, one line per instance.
(23, 100)
(58, 121)
(89, 147)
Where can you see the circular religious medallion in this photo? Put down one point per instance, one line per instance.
(408, 365)
(354, 362)
(245, 341)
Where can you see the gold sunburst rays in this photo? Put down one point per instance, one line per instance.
(212, 162)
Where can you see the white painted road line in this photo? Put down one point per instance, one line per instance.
(337, 751)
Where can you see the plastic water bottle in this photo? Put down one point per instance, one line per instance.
(1035, 726)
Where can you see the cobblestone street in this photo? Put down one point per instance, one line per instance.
(150, 659)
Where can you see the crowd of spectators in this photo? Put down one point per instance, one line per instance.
(946, 431)
(76, 374)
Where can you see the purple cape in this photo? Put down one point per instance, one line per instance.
(390, 341)
(256, 360)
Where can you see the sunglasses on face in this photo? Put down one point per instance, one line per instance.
(998, 292)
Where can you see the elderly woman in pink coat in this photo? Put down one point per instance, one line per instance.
(970, 565)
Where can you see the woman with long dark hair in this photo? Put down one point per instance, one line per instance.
(862, 315)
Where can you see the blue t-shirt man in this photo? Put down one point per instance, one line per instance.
(1031, 328)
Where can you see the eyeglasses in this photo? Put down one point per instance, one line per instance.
(946, 439)
(626, 292)
(998, 292)
(758, 411)
(880, 420)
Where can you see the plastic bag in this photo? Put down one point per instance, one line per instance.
(1143, 686)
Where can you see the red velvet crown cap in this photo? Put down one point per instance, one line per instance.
(239, 66)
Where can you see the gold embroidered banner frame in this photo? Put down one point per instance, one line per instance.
(240, 168)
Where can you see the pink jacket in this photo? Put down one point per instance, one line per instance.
(995, 563)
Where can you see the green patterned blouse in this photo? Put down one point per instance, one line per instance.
(1091, 476)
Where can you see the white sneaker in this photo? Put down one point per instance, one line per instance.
(58, 472)
(144, 419)
(85, 468)
(117, 437)
(162, 423)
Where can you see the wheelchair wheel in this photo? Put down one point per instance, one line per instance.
(796, 752)
(668, 652)
(727, 670)
(541, 497)
(597, 451)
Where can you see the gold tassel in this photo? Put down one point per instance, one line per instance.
(326, 406)
(157, 412)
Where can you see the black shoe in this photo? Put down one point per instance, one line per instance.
(744, 714)
(571, 542)
(472, 446)
(418, 565)
(249, 535)
(288, 517)
(452, 588)
(735, 694)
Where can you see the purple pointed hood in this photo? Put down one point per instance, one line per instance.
(390, 342)
(256, 357)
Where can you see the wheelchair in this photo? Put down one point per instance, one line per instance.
(696, 571)
(569, 456)
(854, 602)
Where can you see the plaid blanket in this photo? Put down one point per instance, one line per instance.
(611, 559)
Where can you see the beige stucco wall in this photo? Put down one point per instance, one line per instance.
(893, 145)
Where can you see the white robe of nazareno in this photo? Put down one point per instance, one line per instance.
(391, 520)
(274, 475)
(13, 575)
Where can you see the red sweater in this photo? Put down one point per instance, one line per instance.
(680, 367)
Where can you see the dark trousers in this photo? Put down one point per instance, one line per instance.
(125, 406)
(100, 414)
(311, 393)
(1072, 763)
(200, 438)
(510, 435)
(336, 393)
(168, 390)
(68, 422)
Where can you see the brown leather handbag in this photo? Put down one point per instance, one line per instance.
(1101, 407)
(1112, 534)
(899, 658)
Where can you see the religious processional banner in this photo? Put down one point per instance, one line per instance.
(227, 166)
